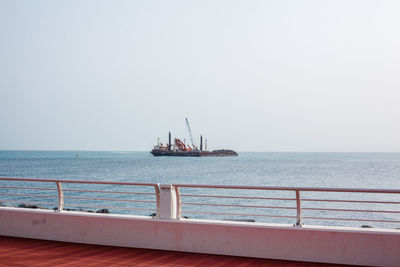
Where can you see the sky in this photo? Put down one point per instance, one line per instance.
(273, 76)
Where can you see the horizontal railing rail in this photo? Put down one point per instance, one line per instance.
(282, 188)
(176, 201)
(74, 181)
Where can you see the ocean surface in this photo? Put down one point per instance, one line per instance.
(337, 170)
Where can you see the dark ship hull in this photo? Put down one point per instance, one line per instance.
(214, 153)
(156, 152)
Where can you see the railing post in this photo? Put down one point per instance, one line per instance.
(168, 207)
(60, 197)
(157, 189)
(298, 206)
(178, 203)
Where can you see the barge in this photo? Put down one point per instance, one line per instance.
(180, 149)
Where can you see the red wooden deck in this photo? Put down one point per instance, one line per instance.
(31, 252)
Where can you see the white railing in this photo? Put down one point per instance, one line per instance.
(64, 194)
(366, 197)
(175, 201)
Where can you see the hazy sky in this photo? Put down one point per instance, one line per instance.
(249, 75)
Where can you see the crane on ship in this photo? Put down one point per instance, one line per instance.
(190, 134)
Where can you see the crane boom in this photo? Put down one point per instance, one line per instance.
(190, 132)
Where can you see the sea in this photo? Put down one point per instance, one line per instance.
(328, 170)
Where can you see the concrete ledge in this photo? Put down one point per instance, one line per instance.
(373, 247)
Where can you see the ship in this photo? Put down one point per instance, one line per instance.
(180, 149)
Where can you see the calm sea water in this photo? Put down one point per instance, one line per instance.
(353, 170)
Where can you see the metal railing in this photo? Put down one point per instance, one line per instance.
(295, 205)
(300, 206)
(64, 194)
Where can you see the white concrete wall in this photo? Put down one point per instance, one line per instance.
(315, 244)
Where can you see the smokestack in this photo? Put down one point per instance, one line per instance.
(201, 143)
(169, 141)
